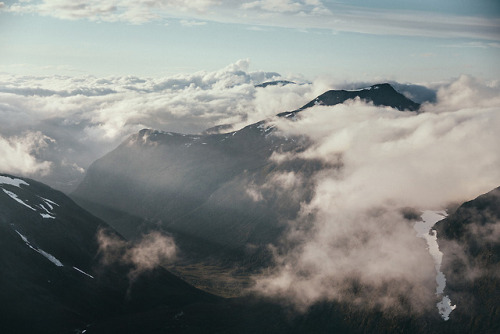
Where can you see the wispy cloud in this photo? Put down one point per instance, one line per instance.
(152, 250)
(287, 6)
(477, 44)
(135, 12)
(301, 14)
(188, 23)
(20, 154)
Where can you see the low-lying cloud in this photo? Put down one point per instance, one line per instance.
(88, 116)
(351, 242)
(19, 154)
(152, 250)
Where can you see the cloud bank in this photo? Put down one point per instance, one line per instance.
(352, 242)
(82, 118)
(86, 117)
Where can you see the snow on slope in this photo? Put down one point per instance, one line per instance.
(46, 207)
(50, 257)
(425, 231)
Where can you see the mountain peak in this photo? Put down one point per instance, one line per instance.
(380, 95)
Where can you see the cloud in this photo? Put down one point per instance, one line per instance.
(466, 92)
(188, 23)
(294, 14)
(18, 154)
(152, 250)
(89, 116)
(476, 44)
(351, 242)
(135, 12)
(287, 6)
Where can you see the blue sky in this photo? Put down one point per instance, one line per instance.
(358, 40)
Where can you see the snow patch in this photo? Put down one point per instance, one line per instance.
(47, 215)
(445, 307)
(50, 257)
(48, 212)
(17, 199)
(12, 182)
(83, 272)
(359, 90)
(270, 128)
(425, 231)
(48, 201)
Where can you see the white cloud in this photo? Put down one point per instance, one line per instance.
(351, 242)
(89, 116)
(188, 23)
(152, 250)
(286, 6)
(135, 12)
(18, 154)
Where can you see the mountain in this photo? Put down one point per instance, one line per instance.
(380, 95)
(202, 187)
(474, 225)
(53, 278)
(54, 281)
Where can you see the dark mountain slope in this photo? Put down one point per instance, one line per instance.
(185, 182)
(43, 292)
(379, 95)
(477, 299)
(52, 279)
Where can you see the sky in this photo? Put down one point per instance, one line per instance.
(359, 40)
